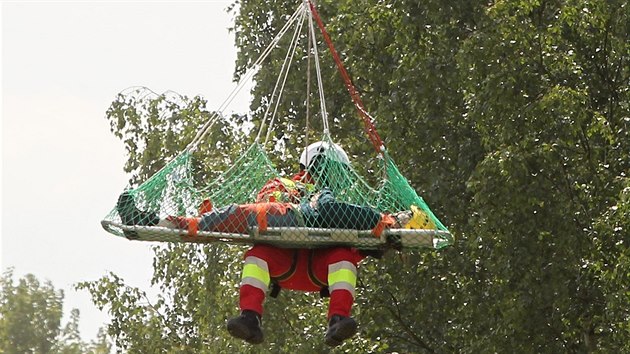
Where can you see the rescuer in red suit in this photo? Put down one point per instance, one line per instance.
(331, 271)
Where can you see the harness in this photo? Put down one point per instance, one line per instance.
(285, 190)
(275, 281)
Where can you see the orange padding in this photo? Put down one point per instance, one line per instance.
(193, 226)
(205, 207)
(386, 221)
(186, 223)
(261, 216)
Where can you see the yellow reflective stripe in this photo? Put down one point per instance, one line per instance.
(342, 275)
(255, 271)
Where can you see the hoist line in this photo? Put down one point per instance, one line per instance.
(287, 62)
(320, 84)
(212, 120)
(354, 94)
(308, 84)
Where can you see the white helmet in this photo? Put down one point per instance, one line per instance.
(318, 148)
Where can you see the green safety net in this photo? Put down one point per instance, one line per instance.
(332, 206)
(252, 202)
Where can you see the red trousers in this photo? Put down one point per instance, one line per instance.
(304, 270)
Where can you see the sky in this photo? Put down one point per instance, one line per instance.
(62, 169)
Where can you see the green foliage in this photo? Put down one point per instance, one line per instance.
(511, 118)
(30, 320)
(188, 314)
(611, 268)
(31, 315)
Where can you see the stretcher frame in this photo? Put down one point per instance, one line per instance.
(288, 237)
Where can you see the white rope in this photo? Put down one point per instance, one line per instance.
(273, 94)
(250, 72)
(290, 54)
(307, 124)
(320, 85)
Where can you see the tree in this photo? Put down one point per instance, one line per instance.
(31, 315)
(509, 117)
(30, 320)
(514, 118)
(69, 339)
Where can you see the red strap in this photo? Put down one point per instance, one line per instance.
(370, 129)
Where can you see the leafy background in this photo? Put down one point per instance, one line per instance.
(510, 118)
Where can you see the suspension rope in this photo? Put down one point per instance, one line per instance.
(320, 85)
(308, 84)
(356, 99)
(252, 70)
(284, 73)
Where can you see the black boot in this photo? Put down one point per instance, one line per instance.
(130, 215)
(340, 328)
(246, 327)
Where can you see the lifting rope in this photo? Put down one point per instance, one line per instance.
(284, 73)
(358, 103)
(354, 94)
(248, 75)
(308, 88)
(320, 83)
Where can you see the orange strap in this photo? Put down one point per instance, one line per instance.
(193, 226)
(205, 207)
(261, 216)
(386, 221)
